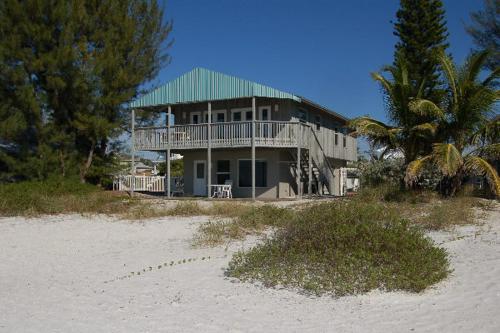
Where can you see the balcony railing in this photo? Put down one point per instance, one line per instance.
(280, 134)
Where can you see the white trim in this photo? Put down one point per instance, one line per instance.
(243, 112)
(195, 176)
(214, 113)
(238, 172)
(316, 124)
(191, 114)
(269, 112)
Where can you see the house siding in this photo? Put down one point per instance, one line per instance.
(233, 155)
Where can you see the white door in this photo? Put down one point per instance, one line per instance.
(200, 178)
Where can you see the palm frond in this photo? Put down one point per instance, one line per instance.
(480, 167)
(425, 129)
(450, 73)
(447, 157)
(369, 127)
(491, 151)
(414, 169)
(425, 107)
(386, 84)
(474, 64)
(488, 132)
(492, 77)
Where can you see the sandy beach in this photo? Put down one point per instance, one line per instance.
(72, 273)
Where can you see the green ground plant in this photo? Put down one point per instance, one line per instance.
(59, 195)
(344, 248)
(249, 220)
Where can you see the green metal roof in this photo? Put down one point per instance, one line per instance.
(202, 84)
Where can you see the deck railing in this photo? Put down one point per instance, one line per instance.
(139, 183)
(280, 134)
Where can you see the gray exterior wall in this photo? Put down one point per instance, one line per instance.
(275, 173)
(281, 181)
(281, 110)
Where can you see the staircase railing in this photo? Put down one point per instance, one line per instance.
(317, 144)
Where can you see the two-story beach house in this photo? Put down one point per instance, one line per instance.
(266, 143)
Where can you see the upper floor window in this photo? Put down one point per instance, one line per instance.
(241, 115)
(317, 122)
(302, 116)
(236, 116)
(195, 117)
(220, 116)
(265, 113)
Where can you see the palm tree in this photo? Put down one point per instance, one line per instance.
(467, 135)
(412, 130)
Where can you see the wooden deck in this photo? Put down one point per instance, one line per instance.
(278, 134)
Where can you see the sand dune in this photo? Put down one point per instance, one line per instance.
(71, 274)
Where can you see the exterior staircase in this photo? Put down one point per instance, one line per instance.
(321, 171)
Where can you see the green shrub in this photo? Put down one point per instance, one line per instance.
(186, 208)
(451, 212)
(57, 195)
(248, 220)
(344, 248)
(381, 172)
(394, 194)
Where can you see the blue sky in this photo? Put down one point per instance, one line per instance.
(320, 49)
(323, 50)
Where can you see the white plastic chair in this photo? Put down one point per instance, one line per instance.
(227, 189)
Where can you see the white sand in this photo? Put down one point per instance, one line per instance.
(53, 272)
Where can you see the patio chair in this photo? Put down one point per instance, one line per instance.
(227, 189)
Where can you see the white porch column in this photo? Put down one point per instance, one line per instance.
(132, 153)
(299, 143)
(167, 157)
(309, 163)
(209, 151)
(253, 147)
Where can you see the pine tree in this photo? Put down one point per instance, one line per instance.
(485, 31)
(67, 69)
(421, 29)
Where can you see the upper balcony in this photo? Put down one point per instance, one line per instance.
(278, 134)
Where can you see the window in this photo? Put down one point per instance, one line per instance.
(237, 116)
(245, 173)
(195, 118)
(200, 170)
(345, 143)
(223, 171)
(336, 139)
(302, 116)
(265, 113)
(220, 117)
(241, 114)
(317, 121)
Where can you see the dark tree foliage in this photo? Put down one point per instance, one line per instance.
(67, 70)
(421, 29)
(176, 168)
(485, 31)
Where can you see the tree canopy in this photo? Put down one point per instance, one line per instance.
(67, 70)
(485, 30)
(421, 29)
